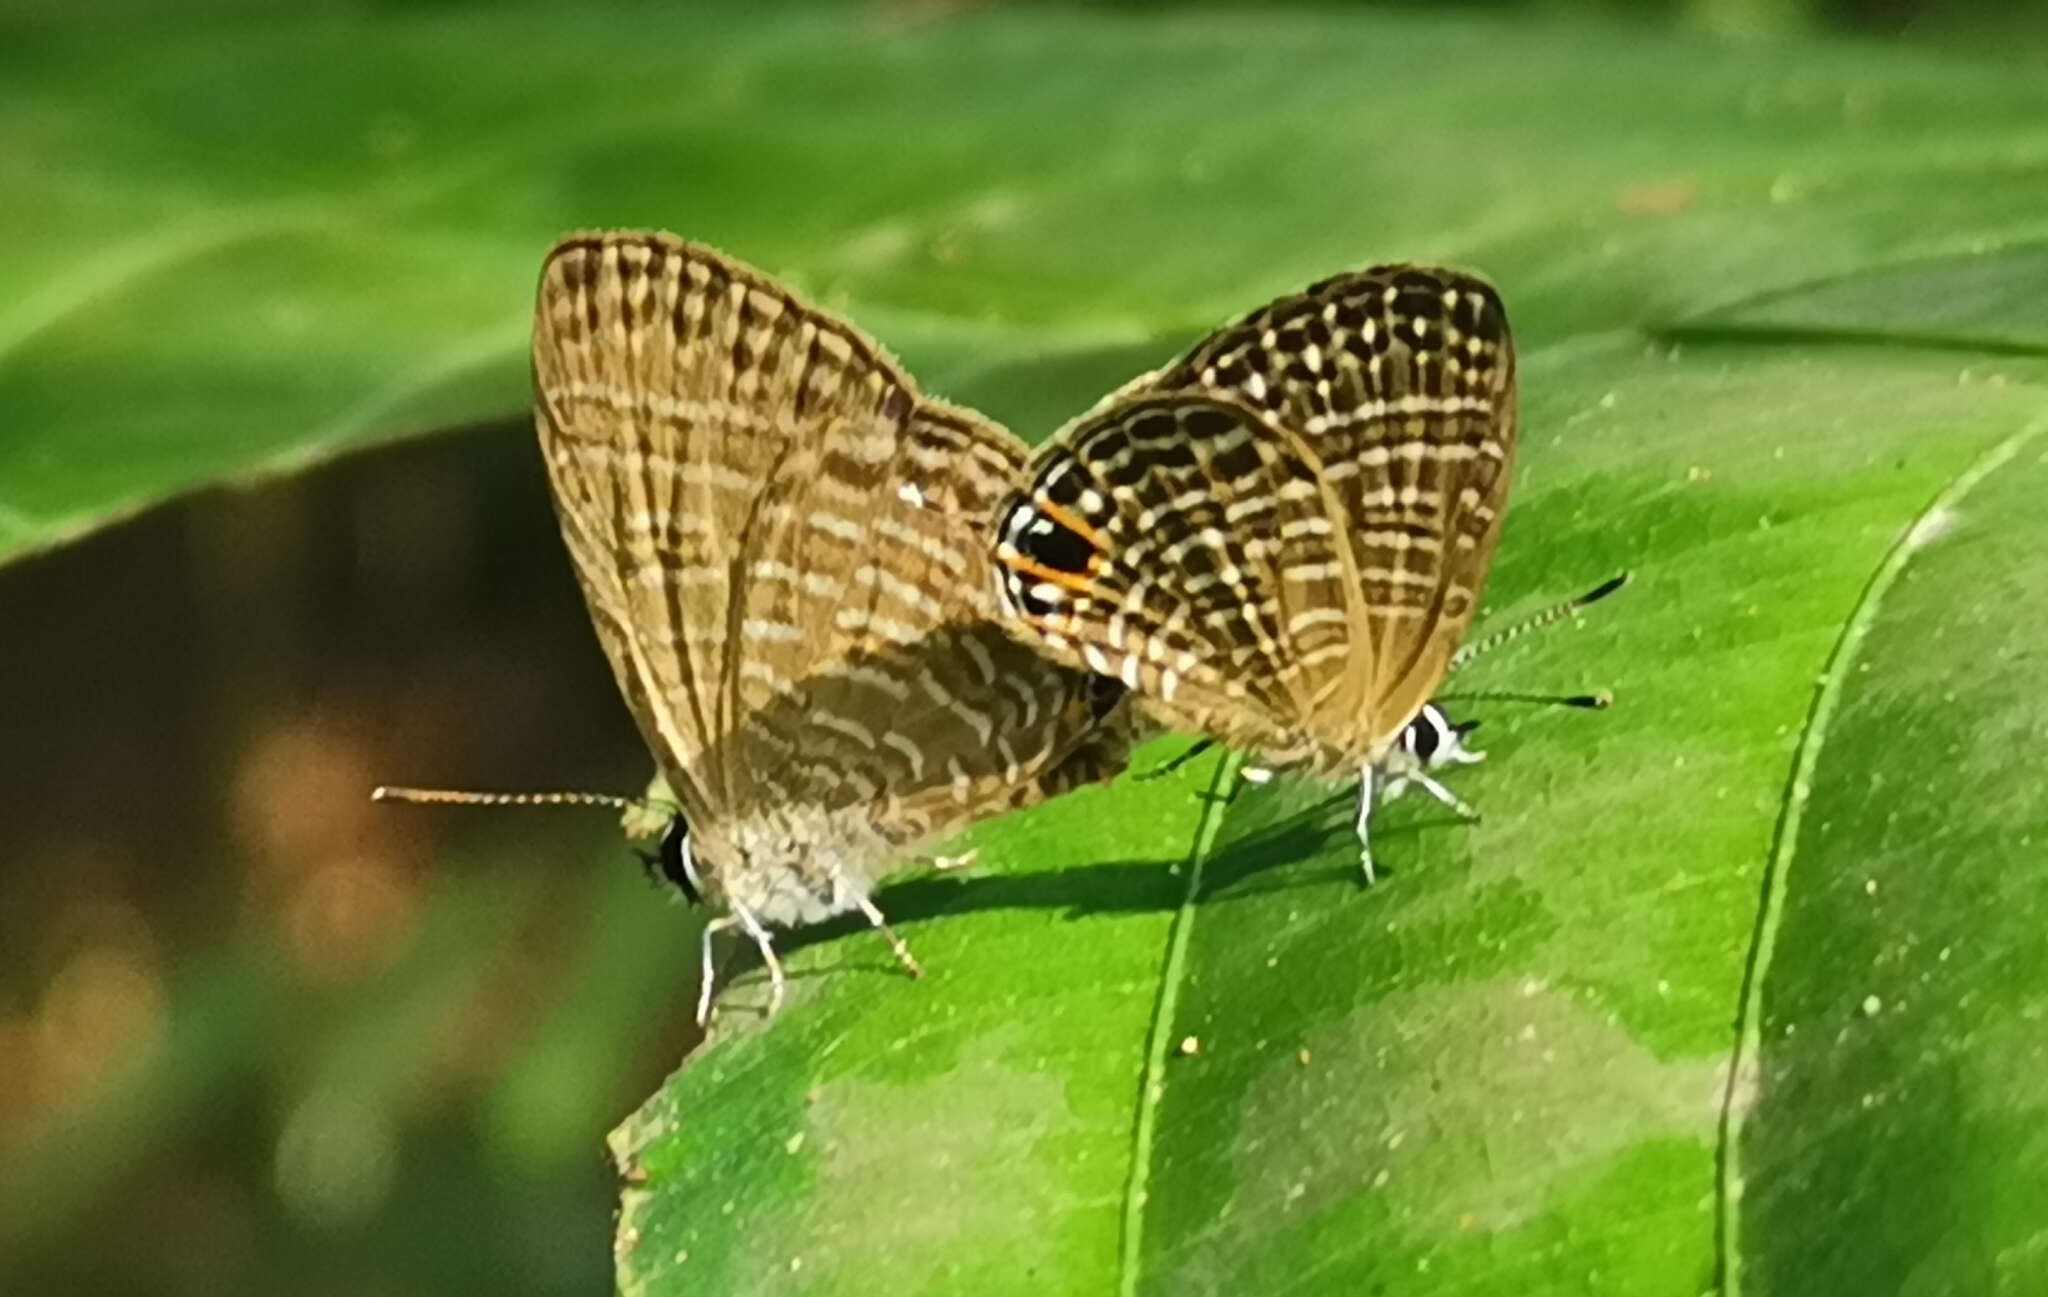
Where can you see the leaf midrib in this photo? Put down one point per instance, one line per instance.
(1152, 1084)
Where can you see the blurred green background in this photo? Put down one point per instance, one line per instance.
(255, 1033)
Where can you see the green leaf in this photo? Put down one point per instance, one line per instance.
(1779, 310)
(1892, 1094)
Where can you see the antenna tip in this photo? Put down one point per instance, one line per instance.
(1607, 587)
(381, 793)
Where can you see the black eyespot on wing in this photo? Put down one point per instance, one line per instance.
(1054, 545)
(1031, 548)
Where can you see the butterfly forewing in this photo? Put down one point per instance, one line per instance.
(1355, 442)
(779, 540)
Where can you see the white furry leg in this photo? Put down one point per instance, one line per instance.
(711, 929)
(965, 860)
(776, 982)
(1365, 823)
(896, 943)
(1444, 795)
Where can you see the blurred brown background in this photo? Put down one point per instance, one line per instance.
(401, 1033)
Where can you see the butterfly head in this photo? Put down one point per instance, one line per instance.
(1432, 739)
(674, 862)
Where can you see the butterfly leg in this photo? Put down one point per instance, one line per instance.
(896, 943)
(711, 929)
(1365, 800)
(777, 984)
(1444, 795)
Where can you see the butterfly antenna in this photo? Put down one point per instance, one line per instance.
(1592, 702)
(1537, 621)
(458, 797)
(1165, 768)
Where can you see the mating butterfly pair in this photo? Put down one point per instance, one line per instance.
(849, 618)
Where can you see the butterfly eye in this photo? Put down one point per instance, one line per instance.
(1424, 737)
(673, 863)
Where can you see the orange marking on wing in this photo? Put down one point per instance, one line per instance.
(1072, 521)
(1074, 581)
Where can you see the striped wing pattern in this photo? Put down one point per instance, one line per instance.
(1280, 539)
(780, 544)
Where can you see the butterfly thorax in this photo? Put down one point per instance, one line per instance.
(1336, 744)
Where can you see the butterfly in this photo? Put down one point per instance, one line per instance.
(779, 539)
(1280, 539)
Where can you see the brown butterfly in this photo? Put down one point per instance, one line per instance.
(1280, 539)
(780, 542)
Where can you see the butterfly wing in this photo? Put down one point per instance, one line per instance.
(778, 539)
(1403, 380)
(1178, 543)
(1350, 448)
